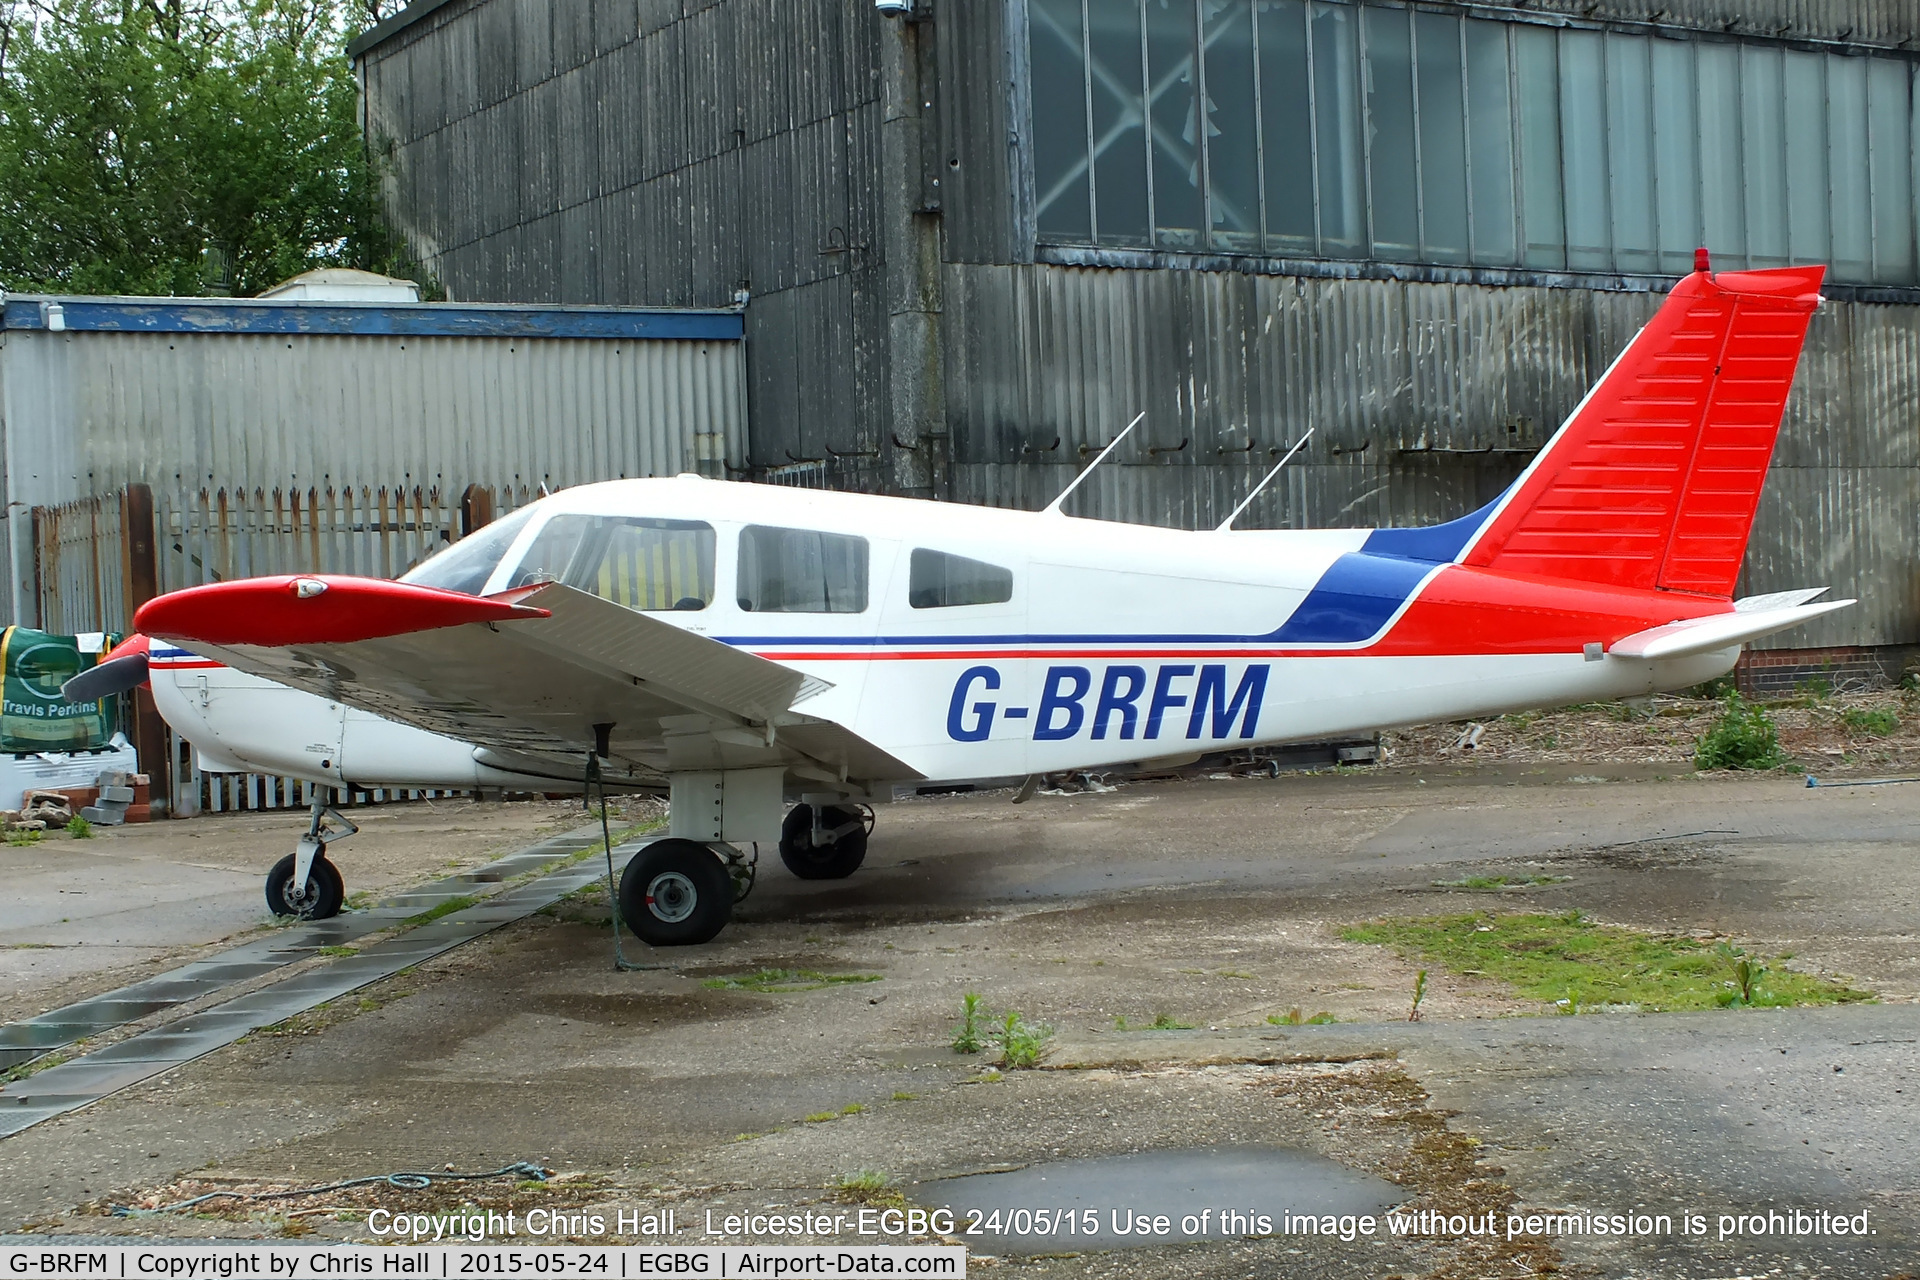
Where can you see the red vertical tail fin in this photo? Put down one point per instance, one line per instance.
(1653, 481)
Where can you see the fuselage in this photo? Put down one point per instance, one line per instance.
(973, 642)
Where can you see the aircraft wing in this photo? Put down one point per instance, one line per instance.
(526, 673)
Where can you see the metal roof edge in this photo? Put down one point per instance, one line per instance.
(380, 32)
(403, 319)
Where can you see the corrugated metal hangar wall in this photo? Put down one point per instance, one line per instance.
(942, 299)
(275, 437)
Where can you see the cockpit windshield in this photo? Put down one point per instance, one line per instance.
(467, 564)
(649, 565)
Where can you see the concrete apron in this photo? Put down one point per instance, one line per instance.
(90, 1077)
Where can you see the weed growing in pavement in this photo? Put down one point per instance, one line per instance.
(1742, 738)
(821, 1117)
(1294, 1018)
(79, 828)
(901, 1095)
(1482, 884)
(968, 1038)
(1547, 957)
(23, 836)
(1747, 972)
(785, 980)
(439, 909)
(1879, 722)
(1022, 1043)
(1162, 1021)
(870, 1187)
(337, 951)
(1419, 994)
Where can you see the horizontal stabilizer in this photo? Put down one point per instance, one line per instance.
(1720, 630)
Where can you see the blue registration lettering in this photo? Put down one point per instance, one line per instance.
(1114, 700)
(1211, 694)
(957, 709)
(1164, 699)
(1055, 698)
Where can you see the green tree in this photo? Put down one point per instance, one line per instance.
(182, 146)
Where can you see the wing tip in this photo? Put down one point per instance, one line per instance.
(291, 609)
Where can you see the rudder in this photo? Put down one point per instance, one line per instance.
(1653, 481)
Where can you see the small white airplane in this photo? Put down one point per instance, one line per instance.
(742, 646)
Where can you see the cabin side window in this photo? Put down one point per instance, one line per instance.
(654, 566)
(937, 580)
(801, 571)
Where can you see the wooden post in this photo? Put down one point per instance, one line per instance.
(476, 509)
(143, 584)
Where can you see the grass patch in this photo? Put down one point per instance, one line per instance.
(869, 1187)
(39, 1064)
(1485, 884)
(782, 980)
(1569, 961)
(1879, 722)
(901, 1095)
(1742, 738)
(1294, 1018)
(20, 837)
(447, 908)
(821, 1117)
(336, 951)
(1161, 1022)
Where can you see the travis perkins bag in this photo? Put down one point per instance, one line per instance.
(33, 715)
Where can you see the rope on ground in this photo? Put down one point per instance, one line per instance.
(1870, 782)
(522, 1169)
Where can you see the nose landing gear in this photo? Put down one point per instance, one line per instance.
(305, 884)
(825, 842)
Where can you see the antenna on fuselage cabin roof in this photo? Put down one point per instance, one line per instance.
(1247, 501)
(1053, 508)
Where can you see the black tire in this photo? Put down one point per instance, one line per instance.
(675, 893)
(325, 890)
(834, 861)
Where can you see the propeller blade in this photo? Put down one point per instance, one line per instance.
(123, 669)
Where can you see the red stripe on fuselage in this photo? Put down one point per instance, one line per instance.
(1459, 612)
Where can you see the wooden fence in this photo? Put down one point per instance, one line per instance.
(98, 559)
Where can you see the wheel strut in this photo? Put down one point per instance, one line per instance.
(325, 825)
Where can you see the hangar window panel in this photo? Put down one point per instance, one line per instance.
(1335, 30)
(1063, 201)
(1338, 129)
(1630, 174)
(1764, 146)
(1537, 73)
(1115, 74)
(1442, 129)
(1490, 141)
(938, 580)
(1173, 112)
(801, 571)
(1805, 107)
(1392, 164)
(654, 566)
(1286, 126)
(1232, 124)
(1676, 155)
(1889, 115)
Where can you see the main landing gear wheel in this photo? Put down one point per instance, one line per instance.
(839, 856)
(322, 899)
(675, 893)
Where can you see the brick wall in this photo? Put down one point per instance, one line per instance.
(1768, 672)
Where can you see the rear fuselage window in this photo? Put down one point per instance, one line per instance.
(801, 571)
(651, 565)
(936, 580)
